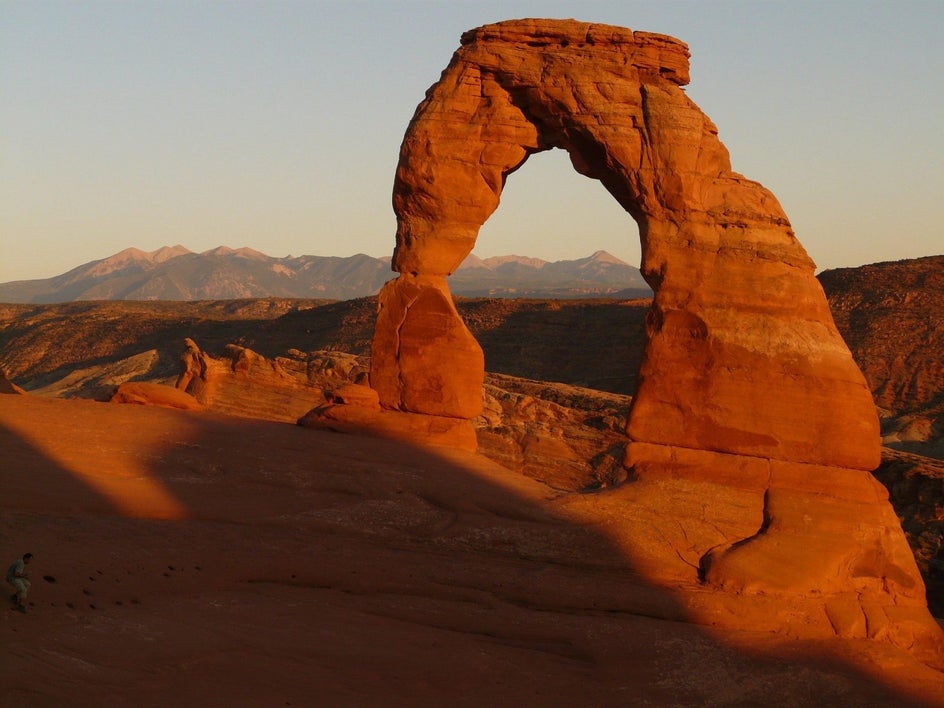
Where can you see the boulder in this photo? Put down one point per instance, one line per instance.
(152, 394)
(440, 431)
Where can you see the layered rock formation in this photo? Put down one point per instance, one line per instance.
(568, 437)
(247, 384)
(746, 394)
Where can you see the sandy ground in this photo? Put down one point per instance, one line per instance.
(191, 559)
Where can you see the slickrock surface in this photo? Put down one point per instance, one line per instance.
(194, 559)
(154, 394)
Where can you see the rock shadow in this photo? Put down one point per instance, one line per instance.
(552, 340)
(309, 564)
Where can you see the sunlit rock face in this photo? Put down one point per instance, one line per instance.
(743, 356)
(752, 430)
(246, 384)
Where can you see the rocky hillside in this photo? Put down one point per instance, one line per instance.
(892, 317)
(916, 489)
(590, 343)
(175, 273)
(598, 275)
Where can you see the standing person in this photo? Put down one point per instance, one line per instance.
(18, 578)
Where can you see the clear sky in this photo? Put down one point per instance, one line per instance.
(276, 125)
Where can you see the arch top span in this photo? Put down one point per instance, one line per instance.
(645, 50)
(742, 354)
(607, 95)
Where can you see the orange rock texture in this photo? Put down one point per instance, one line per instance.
(743, 355)
(424, 359)
(748, 399)
(246, 384)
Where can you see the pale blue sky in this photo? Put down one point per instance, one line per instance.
(276, 125)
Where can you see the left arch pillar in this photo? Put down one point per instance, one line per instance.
(424, 359)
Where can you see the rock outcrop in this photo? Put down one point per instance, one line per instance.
(568, 437)
(749, 407)
(892, 317)
(247, 384)
(7, 386)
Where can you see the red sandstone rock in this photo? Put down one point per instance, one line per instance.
(246, 384)
(216, 550)
(743, 356)
(357, 395)
(397, 425)
(424, 358)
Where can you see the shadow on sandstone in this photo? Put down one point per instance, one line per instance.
(360, 569)
(552, 340)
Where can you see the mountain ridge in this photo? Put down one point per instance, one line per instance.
(178, 274)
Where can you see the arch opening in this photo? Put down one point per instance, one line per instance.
(551, 215)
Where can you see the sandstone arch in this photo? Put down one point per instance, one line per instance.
(743, 356)
(752, 430)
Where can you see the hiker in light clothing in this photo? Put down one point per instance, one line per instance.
(18, 578)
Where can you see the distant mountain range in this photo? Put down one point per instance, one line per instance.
(176, 273)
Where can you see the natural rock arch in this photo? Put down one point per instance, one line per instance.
(752, 430)
(742, 357)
